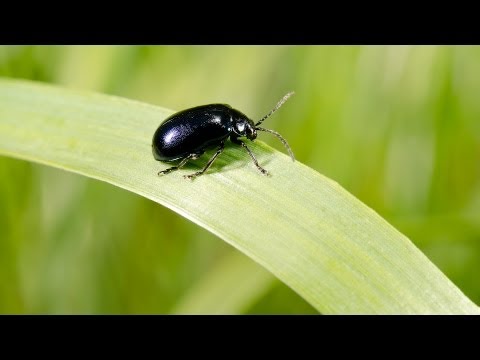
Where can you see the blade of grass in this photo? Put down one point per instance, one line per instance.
(333, 250)
(229, 288)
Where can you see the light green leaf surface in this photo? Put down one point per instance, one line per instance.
(333, 250)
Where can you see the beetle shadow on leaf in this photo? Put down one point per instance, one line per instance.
(228, 160)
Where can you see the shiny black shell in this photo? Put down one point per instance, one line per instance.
(194, 130)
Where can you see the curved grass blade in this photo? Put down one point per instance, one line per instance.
(333, 250)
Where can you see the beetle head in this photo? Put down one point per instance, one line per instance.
(243, 126)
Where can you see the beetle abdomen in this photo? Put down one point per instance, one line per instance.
(191, 131)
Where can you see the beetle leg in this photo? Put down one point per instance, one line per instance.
(180, 165)
(240, 142)
(207, 166)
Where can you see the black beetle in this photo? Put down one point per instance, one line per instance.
(187, 134)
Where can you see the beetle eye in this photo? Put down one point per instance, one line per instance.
(241, 127)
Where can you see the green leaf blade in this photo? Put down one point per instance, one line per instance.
(333, 250)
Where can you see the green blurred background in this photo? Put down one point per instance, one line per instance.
(397, 126)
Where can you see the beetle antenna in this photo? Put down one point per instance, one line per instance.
(280, 103)
(284, 142)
